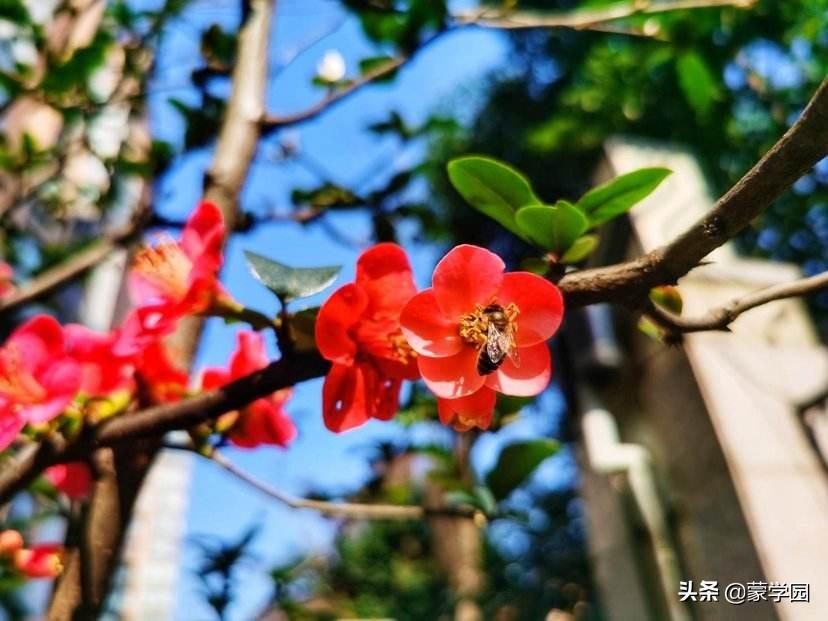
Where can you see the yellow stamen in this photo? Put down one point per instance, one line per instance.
(165, 266)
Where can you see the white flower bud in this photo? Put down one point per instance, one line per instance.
(332, 67)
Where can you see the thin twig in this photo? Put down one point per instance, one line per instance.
(272, 121)
(352, 510)
(598, 19)
(720, 318)
(74, 267)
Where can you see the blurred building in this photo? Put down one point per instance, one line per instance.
(705, 461)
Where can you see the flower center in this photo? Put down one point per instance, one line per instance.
(400, 347)
(166, 267)
(474, 326)
(16, 381)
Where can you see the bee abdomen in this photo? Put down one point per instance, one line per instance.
(485, 366)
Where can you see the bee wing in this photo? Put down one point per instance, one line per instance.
(514, 354)
(497, 344)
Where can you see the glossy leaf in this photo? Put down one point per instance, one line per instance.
(516, 464)
(552, 227)
(580, 249)
(619, 195)
(697, 82)
(493, 188)
(290, 283)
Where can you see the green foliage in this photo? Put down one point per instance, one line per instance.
(580, 249)
(516, 463)
(697, 82)
(667, 297)
(506, 195)
(619, 195)
(202, 120)
(493, 188)
(552, 227)
(290, 283)
(374, 63)
(327, 196)
(402, 24)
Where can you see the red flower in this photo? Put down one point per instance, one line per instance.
(6, 279)
(73, 479)
(104, 371)
(472, 309)
(358, 329)
(464, 413)
(264, 421)
(38, 378)
(164, 381)
(173, 279)
(40, 561)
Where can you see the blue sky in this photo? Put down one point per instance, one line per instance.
(442, 77)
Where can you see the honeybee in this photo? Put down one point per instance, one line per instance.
(500, 341)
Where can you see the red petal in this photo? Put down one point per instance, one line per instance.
(427, 330)
(526, 380)
(338, 315)
(466, 276)
(11, 424)
(73, 479)
(345, 397)
(384, 274)
(263, 422)
(203, 235)
(386, 399)
(540, 304)
(475, 410)
(214, 378)
(39, 342)
(62, 381)
(454, 376)
(250, 354)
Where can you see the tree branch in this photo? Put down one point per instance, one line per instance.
(720, 318)
(271, 122)
(588, 18)
(21, 469)
(802, 146)
(351, 510)
(72, 268)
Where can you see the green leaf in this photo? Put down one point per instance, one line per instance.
(668, 297)
(697, 82)
(377, 63)
(493, 188)
(615, 197)
(580, 249)
(552, 227)
(303, 329)
(485, 499)
(290, 283)
(516, 464)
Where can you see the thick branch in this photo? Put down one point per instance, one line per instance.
(802, 146)
(20, 470)
(720, 318)
(351, 510)
(588, 18)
